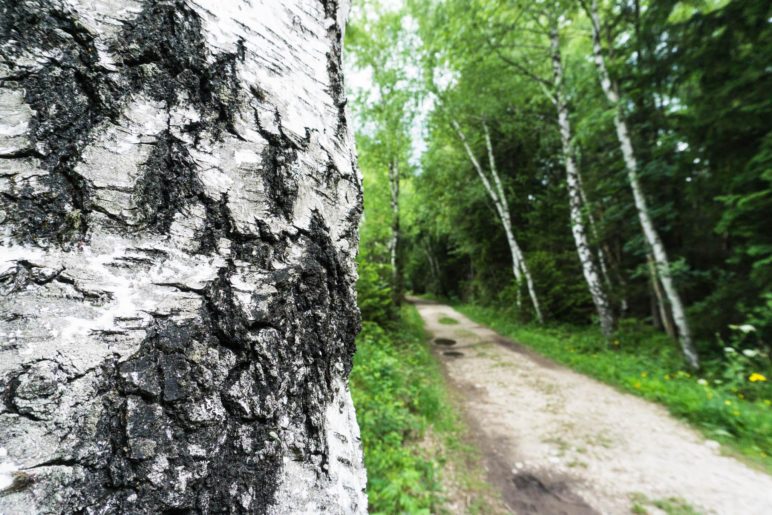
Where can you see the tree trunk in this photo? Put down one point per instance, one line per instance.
(664, 318)
(396, 272)
(179, 215)
(507, 221)
(614, 266)
(600, 252)
(653, 240)
(519, 268)
(599, 298)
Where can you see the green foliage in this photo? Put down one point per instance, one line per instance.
(448, 321)
(641, 361)
(695, 82)
(374, 293)
(745, 365)
(398, 393)
(670, 505)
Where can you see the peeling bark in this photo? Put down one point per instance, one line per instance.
(598, 294)
(653, 240)
(179, 202)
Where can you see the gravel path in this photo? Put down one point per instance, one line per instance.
(557, 442)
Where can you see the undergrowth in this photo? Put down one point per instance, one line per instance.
(734, 411)
(397, 391)
(415, 442)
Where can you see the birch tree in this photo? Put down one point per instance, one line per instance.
(597, 292)
(653, 240)
(381, 47)
(179, 213)
(496, 194)
(554, 90)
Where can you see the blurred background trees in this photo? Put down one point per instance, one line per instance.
(692, 81)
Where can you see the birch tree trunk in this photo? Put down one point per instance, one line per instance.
(179, 215)
(599, 298)
(395, 233)
(519, 267)
(600, 252)
(507, 221)
(650, 232)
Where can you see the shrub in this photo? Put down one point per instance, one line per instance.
(374, 293)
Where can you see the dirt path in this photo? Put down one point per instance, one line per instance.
(557, 442)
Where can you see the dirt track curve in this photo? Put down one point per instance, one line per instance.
(557, 442)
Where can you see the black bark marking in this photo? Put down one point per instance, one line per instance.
(70, 95)
(205, 398)
(162, 53)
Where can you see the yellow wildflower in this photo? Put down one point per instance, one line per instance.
(756, 378)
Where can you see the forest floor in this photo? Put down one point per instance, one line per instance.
(559, 442)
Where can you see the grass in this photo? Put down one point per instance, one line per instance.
(412, 436)
(670, 505)
(448, 321)
(646, 363)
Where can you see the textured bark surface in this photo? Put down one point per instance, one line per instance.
(179, 211)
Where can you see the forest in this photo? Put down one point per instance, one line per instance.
(386, 256)
(591, 178)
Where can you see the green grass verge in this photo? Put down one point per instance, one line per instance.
(410, 430)
(646, 363)
(670, 505)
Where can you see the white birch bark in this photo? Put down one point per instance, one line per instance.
(600, 253)
(519, 268)
(507, 221)
(178, 230)
(650, 232)
(599, 298)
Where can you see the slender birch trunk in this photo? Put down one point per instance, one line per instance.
(600, 253)
(519, 267)
(653, 239)
(507, 221)
(589, 270)
(396, 272)
(180, 203)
